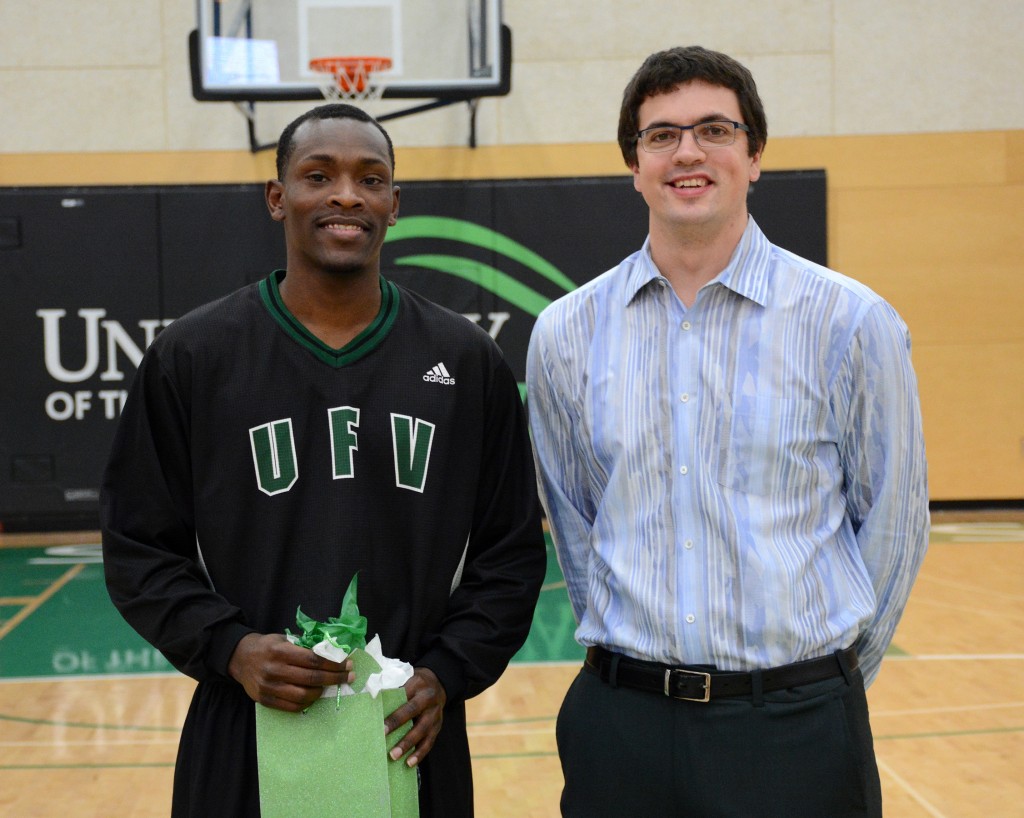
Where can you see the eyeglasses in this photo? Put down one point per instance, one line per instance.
(715, 134)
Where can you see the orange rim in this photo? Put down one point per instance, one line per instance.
(351, 73)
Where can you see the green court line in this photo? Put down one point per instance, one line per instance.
(487, 756)
(491, 723)
(152, 765)
(894, 737)
(499, 722)
(502, 756)
(950, 734)
(86, 726)
(160, 729)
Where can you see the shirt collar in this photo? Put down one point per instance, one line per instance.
(746, 274)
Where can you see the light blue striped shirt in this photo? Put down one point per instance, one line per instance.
(741, 483)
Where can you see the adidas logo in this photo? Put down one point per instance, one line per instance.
(438, 374)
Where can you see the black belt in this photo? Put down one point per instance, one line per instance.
(697, 685)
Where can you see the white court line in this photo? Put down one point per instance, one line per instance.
(958, 657)
(889, 771)
(970, 586)
(945, 606)
(962, 709)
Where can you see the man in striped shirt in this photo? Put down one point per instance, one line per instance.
(731, 459)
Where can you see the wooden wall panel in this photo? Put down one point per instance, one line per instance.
(931, 221)
(950, 260)
(972, 399)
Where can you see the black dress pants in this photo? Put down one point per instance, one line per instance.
(805, 752)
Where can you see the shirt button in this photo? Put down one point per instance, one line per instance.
(690, 619)
(684, 397)
(683, 470)
(686, 324)
(688, 544)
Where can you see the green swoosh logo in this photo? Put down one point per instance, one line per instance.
(484, 275)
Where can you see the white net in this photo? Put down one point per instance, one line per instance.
(351, 78)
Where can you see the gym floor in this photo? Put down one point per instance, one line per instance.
(90, 715)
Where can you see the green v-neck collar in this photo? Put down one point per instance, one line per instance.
(360, 346)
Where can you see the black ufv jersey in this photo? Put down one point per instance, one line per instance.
(256, 470)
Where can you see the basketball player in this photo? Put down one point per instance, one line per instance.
(730, 444)
(324, 422)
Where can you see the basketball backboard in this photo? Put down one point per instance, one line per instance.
(260, 50)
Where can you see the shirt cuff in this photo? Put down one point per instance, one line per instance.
(223, 642)
(448, 670)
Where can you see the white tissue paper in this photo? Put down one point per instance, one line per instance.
(393, 672)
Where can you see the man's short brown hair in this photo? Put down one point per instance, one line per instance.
(664, 71)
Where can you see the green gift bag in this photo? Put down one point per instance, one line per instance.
(332, 759)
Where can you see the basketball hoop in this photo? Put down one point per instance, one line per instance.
(353, 76)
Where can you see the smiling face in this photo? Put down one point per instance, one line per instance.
(336, 197)
(694, 191)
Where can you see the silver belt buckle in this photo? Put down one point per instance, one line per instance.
(707, 684)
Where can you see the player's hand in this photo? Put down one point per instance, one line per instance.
(425, 707)
(278, 674)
